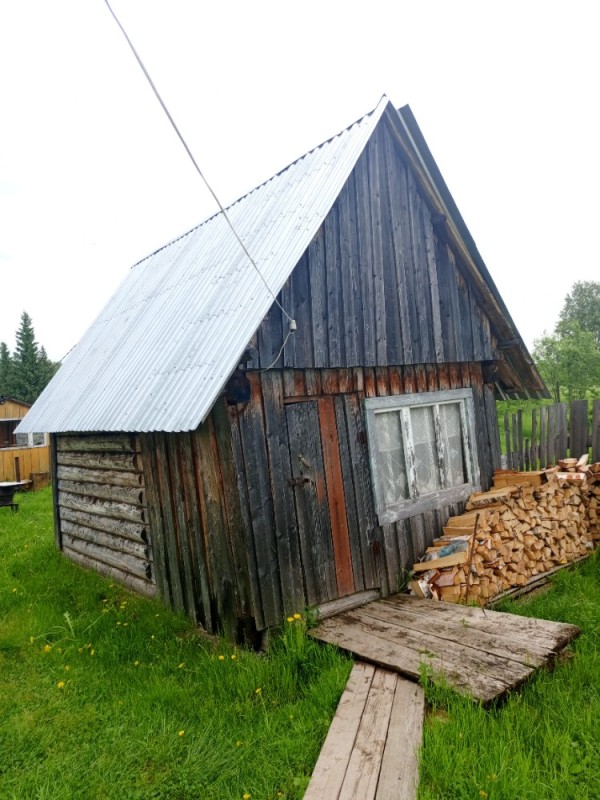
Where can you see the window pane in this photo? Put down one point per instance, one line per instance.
(390, 456)
(426, 461)
(453, 443)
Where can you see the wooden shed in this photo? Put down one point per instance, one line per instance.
(21, 455)
(247, 440)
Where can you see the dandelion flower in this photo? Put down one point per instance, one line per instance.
(233, 656)
(46, 648)
(246, 796)
(181, 733)
(221, 658)
(297, 616)
(258, 691)
(61, 684)
(290, 619)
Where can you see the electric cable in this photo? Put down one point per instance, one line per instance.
(198, 170)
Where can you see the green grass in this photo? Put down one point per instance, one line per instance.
(543, 743)
(97, 685)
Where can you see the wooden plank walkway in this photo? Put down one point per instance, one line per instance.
(372, 749)
(480, 653)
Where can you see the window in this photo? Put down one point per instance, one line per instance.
(422, 449)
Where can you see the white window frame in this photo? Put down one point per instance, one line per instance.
(417, 502)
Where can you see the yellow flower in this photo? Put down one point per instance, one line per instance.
(233, 656)
(246, 796)
(258, 691)
(221, 658)
(181, 733)
(46, 648)
(297, 616)
(61, 684)
(290, 619)
(136, 663)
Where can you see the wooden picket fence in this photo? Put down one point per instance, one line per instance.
(557, 431)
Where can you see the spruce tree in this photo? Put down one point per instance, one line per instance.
(6, 371)
(31, 368)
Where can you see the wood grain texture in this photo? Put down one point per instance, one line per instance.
(468, 647)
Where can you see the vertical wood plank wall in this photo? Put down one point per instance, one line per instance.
(288, 568)
(379, 284)
(101, 508)
(201, 554)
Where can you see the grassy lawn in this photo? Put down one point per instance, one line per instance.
(543, 743)
(106, 695)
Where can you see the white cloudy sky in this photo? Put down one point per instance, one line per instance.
(92, 177)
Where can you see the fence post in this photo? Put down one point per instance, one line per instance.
(596, 431)
(578, 428)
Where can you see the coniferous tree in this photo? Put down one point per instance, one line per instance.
(25, 374)
(6, 366)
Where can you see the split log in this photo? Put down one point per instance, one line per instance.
(114, 478)
(139, 568)
(103, 508)
(139, 549)
(135, 531)
(121, 494)
(118, 443)
(142, 586)
(126, 462)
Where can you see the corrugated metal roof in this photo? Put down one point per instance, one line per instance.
(160, 352)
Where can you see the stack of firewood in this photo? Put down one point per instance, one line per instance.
(529, 524)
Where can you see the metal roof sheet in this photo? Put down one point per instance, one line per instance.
(159, 354)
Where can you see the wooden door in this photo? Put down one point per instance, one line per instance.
(318, 489)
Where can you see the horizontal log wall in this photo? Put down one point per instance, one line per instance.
(287, 572)
(379, 284)
(101, 507)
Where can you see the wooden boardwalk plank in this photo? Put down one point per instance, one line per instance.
(483, 654)
(480, 676)
(372, 748)
(331, 766)
(399, 775)
(365, 762)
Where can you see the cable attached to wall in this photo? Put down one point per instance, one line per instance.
(291, 321)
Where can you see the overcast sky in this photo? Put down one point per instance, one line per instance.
(92, 177)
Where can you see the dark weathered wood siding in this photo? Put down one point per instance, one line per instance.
(305, 486)
(101, 507)
(201, 555)
(379, 284)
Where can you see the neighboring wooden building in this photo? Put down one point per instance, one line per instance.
(21, 455)
(245, 467)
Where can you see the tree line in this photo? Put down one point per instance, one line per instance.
(569, 359)
(25, 372)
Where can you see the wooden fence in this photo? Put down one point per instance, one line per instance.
(557, 431)
(18, 463)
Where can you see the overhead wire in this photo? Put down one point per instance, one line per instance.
(290, 319)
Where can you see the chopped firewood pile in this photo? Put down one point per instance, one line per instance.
(529, 524)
